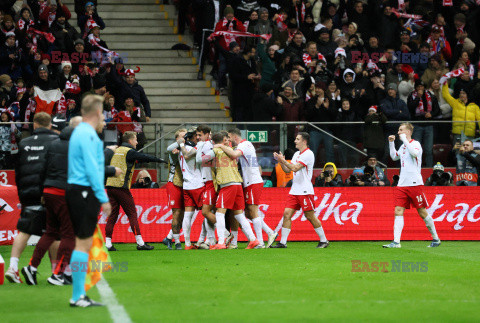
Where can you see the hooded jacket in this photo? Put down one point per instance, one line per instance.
(462, 112)
(335, 182)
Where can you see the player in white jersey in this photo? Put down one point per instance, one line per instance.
(193, 185)
(175, 193)
(410, 185)
(209, 197)
(301, 194)
(252, 183)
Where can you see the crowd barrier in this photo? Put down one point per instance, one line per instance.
(348, 213)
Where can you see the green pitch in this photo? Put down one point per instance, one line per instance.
(300, 283)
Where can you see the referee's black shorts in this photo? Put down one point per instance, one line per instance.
(84, 208)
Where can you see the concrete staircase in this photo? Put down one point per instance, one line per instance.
(143, 31)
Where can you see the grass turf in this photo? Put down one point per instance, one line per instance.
(298, 283)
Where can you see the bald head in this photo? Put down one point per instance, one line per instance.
(75, 121)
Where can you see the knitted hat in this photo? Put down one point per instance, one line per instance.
(4, 78)
(392, 86)
(373, 108)
(79, 41)
(228, 10)
(262, 10)
(65, 63)
(439, 166)
(43, 67)
(10, 34)
(468, 44)
(89, 4)
(130, 71)
(357, 171)
(232, 45)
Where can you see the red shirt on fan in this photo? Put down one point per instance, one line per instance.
(124, 116)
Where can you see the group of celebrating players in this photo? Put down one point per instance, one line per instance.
(204, 175)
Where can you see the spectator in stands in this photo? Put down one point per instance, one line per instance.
(12, 59)
(64, 33)
(109, 111)
(81, 7)
(9, 136)
(465, 83)
(435, 70)
(279, 177)
(326, 46)
(243, 75)
(228, 23)
(128, 86)
(94, 42)
(373, 137)
(292, 105)
(44, 80)
(423, 107)
(462, 110)
(268, 60)
(64, 74)
(144, 180)
(264, 106)
(265, 26)
(89, 13)
(79, 66)
(7, 89)
(99, 87)
(296, 47)
(422, 64)
(49, 14)
(125, 117)
(299, 84)
(329, 177)
(348, 133)
(439, 44)
(468, 164)
(395, 110)
(406, 44)
(320, 109)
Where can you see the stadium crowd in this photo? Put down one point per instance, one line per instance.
(42, 50)
(324, 61)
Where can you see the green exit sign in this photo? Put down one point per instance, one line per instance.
(257, 136)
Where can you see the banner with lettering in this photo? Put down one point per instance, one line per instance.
(347, 213)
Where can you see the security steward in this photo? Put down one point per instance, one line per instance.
(118, 188)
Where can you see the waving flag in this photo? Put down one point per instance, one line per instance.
(46, 99)
(449, 75)
(98, 260)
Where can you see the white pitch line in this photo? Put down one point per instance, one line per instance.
(117, 311)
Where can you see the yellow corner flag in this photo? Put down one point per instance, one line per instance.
(98, 260)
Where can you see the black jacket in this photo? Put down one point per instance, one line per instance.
(414, 103)
(265, 108)
(123, 90)
(30, 169)
(56, 171)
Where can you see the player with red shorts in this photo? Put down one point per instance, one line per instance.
(175, 193)
(230, 192)
(410, 185)
(301, 195)
(252, 183)
(209, 197)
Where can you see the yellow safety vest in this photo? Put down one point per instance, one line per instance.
(119, 160)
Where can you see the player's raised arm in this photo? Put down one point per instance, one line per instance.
(393, 152)
(412, 147)
(287, 166)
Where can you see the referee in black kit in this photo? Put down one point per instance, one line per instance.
(85, 192)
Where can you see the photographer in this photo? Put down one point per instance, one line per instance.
(468, 164)
(439, 177)
(329, 177)
(144, 180)
(378, 178)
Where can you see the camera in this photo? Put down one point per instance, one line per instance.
(328, 173)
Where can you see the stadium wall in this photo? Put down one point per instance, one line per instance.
(347, 213)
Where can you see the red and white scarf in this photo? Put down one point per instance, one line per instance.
(447, 3)
(31, 107)
(73, 88)
(62, 106)
(233, 34)
(22, 24)
(405, 15)
(137, 126)
(43, 6)
(420, 110)
(300, 15)
(436, 45)
(48, 36)
(449, 75)
(307, 59)
(94, 41)
(461, 29)
(51, 18)
(281, 25)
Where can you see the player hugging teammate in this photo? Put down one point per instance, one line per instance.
(212, 183)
